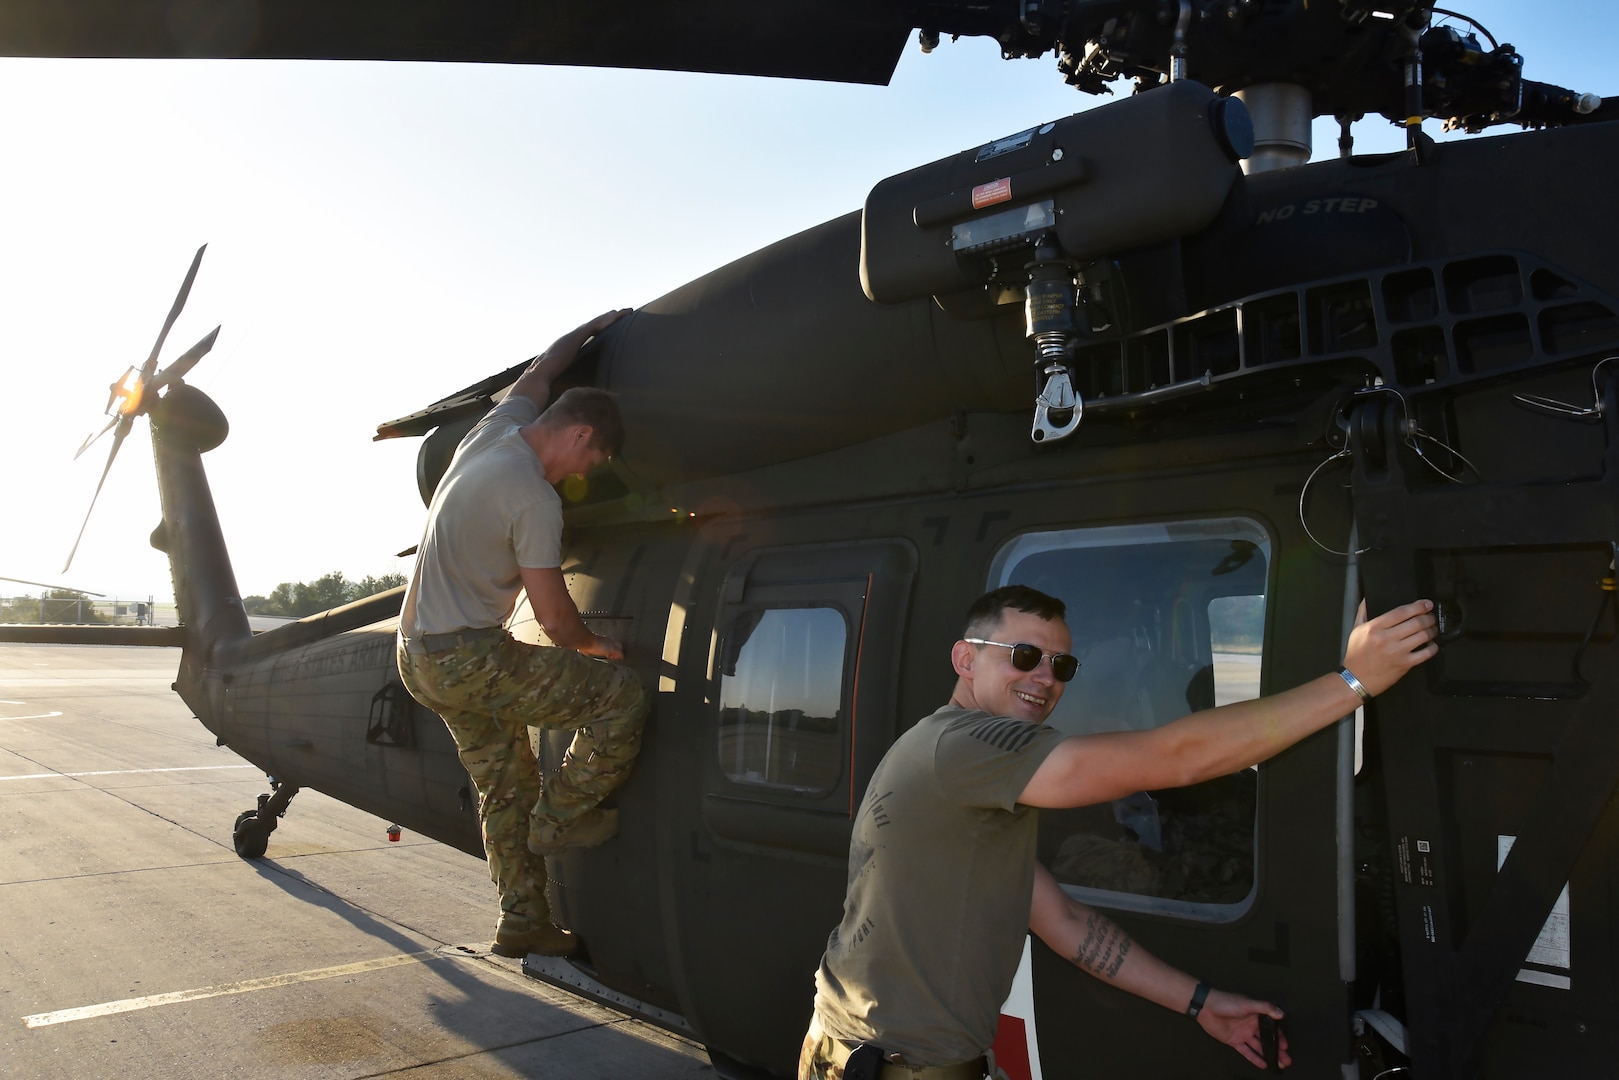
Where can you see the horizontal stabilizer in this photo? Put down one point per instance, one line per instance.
(65, 634)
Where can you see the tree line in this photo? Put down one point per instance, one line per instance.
(295, 599)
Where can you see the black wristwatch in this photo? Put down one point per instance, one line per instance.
(1199, 996)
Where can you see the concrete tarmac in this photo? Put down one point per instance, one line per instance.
(135, 943)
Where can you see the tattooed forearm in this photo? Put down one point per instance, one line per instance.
(1103, 948)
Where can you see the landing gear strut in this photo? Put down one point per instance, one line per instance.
(251, 836)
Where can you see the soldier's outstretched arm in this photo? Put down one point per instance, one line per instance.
(535, 381)
(1100, 947)
(1088, 769)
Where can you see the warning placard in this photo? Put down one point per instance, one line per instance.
(996, 191)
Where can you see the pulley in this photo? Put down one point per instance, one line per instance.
(1050, 310)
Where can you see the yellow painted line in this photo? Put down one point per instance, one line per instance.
(124, 772)
(112, 1008)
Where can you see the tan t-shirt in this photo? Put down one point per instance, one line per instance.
(493, 513)
(941, 876)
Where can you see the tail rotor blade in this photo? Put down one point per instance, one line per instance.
(91, 440)
(124, 424)
(135, 387)
(174, 312)
(184, 363)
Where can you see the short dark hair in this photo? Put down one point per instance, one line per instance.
(597, 409)
(985, 613)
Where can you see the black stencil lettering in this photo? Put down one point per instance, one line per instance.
(1103, 948)
(862, 932)
(879, 812)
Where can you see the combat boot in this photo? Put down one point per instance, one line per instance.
(587, 830)
(520, 938)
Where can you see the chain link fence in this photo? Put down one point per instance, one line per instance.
(85, 611)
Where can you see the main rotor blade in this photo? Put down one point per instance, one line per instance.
(185, 363)
(124, 424)
(174, 312)
(91, 440)
(839, 40)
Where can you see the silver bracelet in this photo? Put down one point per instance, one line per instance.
(1353, 683)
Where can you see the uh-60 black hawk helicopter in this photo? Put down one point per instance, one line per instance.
(1144, 358)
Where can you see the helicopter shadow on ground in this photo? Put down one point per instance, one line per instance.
(483, 1008)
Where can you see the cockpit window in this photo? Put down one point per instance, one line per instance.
(1167, 619)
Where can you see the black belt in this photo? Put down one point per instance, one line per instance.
(976, 1069)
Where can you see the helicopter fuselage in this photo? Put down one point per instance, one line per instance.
(1330, 390)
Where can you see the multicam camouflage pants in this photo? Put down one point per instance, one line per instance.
(490, 690)
(815, 1058)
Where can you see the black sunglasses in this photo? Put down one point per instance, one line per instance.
(1026, 657)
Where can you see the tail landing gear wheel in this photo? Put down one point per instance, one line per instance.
(250, 837)
(251, 834)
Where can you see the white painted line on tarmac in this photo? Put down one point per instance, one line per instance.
(111, 1008)
(35, 716)
(6, 701)
(123, 772)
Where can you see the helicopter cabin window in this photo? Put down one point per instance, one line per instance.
(1167, 619)
(781, 690)
(793, 732)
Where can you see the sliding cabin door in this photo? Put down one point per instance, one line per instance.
(802, 651)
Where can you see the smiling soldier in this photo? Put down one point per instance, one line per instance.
(943, 882)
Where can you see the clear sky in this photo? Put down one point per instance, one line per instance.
(383, 234)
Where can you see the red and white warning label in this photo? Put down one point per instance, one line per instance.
(996, 191)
